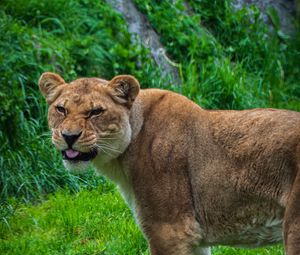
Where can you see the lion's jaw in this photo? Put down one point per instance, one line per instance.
(105, 153)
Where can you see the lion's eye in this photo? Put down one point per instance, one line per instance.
(96, 112)
(61, 109)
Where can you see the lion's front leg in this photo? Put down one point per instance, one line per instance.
(292, 220)
(174, 238)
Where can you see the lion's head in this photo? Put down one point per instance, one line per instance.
(89, 117)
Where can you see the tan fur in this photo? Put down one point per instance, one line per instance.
(193, 178)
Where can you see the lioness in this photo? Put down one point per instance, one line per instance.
(193, 178)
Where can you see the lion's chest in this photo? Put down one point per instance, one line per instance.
(118, 175)
(128, 195)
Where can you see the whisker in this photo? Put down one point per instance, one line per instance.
(111, 149)
(102, 149)
(104, 143)
(102, 146)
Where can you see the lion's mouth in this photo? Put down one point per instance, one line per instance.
(78, 155)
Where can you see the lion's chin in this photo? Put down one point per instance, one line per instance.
(76, 167)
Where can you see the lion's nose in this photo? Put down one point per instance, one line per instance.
(71, 139)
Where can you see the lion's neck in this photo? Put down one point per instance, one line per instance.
(117, 172)
(116, 169)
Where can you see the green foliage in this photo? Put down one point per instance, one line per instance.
(230, 58)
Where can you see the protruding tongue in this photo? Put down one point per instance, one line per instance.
(71, 153)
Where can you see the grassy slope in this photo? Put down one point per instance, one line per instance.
(90, 222)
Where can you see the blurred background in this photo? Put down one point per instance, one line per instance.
(222, 54)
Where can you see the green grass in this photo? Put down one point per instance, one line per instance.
(89, 222)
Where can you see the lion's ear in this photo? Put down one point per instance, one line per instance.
(48, 83)
(125, 89)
